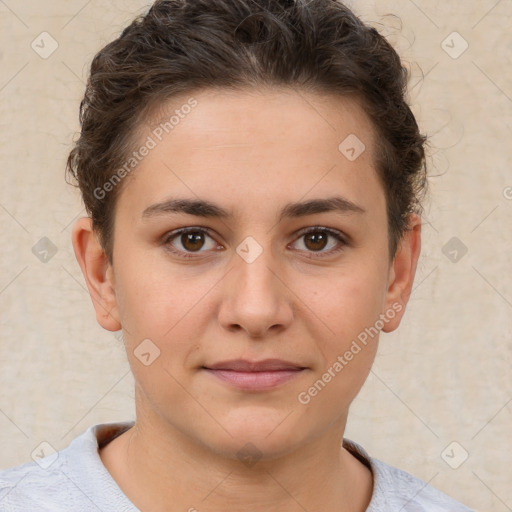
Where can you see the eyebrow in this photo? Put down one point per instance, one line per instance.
(203, 208)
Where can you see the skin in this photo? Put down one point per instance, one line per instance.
(250, 152)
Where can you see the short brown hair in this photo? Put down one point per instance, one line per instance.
(183, 45)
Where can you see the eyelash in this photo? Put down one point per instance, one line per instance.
(314, 229)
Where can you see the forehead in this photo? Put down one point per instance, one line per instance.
(297, 115)
(277, 141)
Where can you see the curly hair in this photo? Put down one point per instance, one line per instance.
(180, 46)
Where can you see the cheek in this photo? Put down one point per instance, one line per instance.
(351, 300)
(350, 306)
(163, 304)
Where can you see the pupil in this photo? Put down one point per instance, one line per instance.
(319, 240)
(192, 241)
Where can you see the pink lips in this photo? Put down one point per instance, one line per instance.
(255, 375)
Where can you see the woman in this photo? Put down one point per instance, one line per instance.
(253, 177)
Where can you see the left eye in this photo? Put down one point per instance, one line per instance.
(317, 239)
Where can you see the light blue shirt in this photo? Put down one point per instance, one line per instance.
(75, 479)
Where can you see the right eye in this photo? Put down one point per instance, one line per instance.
(187, 241)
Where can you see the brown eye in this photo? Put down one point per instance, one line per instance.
(323, 241)
(191, 240)
(316, 241)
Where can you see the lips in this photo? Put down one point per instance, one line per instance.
(267, 365)
(255, 375)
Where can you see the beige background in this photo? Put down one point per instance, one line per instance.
(443, 377)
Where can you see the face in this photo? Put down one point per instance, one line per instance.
(248, 233)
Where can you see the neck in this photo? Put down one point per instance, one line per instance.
(160, 468)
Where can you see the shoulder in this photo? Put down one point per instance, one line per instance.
(71, 479)
(411, 493)
(34, 487)
(397, 489)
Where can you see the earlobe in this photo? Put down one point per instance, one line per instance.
(98, 273)
(402, 272)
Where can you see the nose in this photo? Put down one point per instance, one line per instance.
(255, 297)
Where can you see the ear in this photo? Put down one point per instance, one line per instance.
(402, 272)
(98, 273)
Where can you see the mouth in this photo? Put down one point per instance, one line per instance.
(255, 375)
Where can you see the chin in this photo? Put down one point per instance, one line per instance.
(257, 433)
